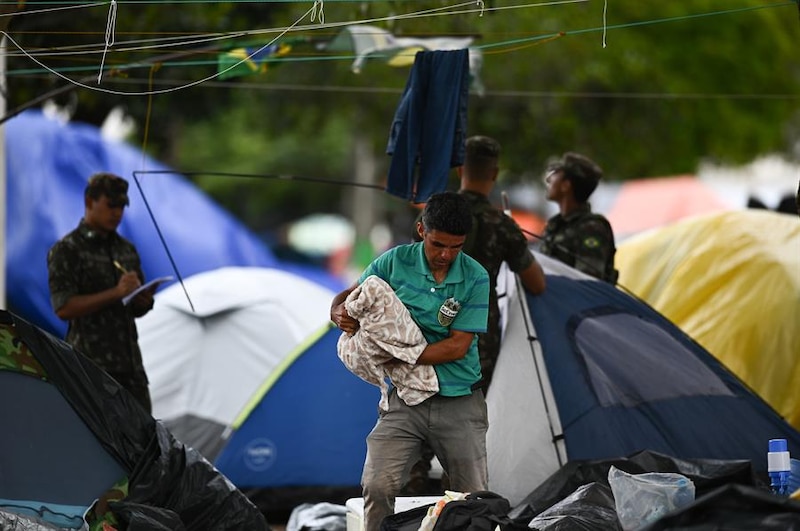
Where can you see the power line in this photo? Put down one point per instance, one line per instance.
(200, 38)
(261, 176)
(344, 89)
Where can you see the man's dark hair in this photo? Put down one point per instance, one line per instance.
(582, 172)
(481, 156)
(447, 212)
(110, 185)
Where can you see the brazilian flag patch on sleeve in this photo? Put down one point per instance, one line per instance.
(591, 242)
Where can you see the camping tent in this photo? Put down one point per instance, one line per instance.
(251, 378)
(76, 443)
(643, 204)
(731, 281)
(585, 372)
(589, 372)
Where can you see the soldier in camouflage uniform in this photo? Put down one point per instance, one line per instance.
(90, 271)
(577, 236)
(495, 238)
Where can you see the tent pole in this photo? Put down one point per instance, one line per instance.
(556, 436)
(3, 167)
(6, 10)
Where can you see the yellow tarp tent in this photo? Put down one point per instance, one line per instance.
(731, 281)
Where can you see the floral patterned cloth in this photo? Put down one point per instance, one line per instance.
(387, 344)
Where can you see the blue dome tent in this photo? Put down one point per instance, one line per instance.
(48, 164)
(251, 379)
(588, 372)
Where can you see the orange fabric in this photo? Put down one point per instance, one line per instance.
(530, 223)
(648, 203)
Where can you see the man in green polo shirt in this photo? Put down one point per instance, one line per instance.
(447, 294)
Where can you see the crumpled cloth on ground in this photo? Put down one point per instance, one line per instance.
(318, 517)
(387, 333)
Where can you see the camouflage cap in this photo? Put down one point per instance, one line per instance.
(110, 185)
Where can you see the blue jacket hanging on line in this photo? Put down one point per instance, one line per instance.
(430, 125)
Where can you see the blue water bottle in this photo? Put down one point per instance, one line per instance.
(779, 466)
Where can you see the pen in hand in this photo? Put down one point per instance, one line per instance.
(128, 282)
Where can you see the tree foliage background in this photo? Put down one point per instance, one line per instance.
(676, 83)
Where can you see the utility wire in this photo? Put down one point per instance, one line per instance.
(580, 259)
(344, 89)
(264, 176)
(302, 179)
(420, 14)
(164, 244)
(82, 82)
(161, 237)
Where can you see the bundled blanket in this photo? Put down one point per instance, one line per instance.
(387, 344)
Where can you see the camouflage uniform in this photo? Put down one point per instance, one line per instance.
(583, 240)
(495, 238)
(82, 263)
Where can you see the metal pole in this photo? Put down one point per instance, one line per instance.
(3, 167)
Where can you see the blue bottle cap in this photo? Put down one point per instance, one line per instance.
(778, 445)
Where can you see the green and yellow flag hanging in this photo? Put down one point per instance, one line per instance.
(249, 60)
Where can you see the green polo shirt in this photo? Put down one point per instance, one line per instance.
(405, 269)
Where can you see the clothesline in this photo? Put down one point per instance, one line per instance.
(506, 46)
